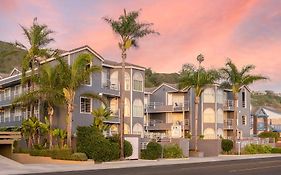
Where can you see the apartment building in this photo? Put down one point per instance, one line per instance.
(105, 83)
(169, 112)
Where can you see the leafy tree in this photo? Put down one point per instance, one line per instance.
(198, 79)
(38, 38)
(30, 129)
(72, 76)
(235, 79)
(101, 114)
(130, 31)
(61, 135)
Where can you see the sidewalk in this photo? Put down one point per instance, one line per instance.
(10, 167)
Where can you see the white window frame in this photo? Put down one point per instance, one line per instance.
(142, 82)
(245, 117)
(17, 90)
(91, 103)
(135, 114)
(8, 115)
(9, 94)
(17, 113)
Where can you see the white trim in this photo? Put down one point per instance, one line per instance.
(127, 67)
(163, 85)
(131, 101)
(15, 69)
(91, 107)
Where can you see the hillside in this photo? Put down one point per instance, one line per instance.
(268, 99)
(10, 57)
(153, 79)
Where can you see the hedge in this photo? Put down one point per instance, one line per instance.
(276, 150)
(40, 152)
(92, 142)
(256, 149)
(269, 134)
(172, 151)
(226, 145)
(153, 151)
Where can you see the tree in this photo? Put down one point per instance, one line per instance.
(30, 129)
(198, 79)
(60, 134)
(48, 91)
(235, 79)
(38, 38)
(72, 76)
(130, 31)
(101, 114)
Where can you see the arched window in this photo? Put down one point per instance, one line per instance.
(114, 129)
(220, 132)
(114, 105)
(209, 95)
(114, 83)
(209, 115)
(220, 116)
(137, 129)
(127, 110)
(220, 96)
(127, 81)
(209, 133)
(138, 108)
(138, 82)
(126, 129)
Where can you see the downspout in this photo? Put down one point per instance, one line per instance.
(131, 101)
(216, 112)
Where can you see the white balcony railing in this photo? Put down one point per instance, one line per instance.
(229, 105)
(228, 124)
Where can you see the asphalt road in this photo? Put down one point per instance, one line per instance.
(265, 166)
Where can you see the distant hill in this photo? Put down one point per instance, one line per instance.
(153, 79)
(268, 99)
(10, 57)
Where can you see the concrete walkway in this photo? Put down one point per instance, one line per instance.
(10, 167)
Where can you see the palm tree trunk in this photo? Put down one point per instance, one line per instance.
(235, 97)
(122, 105)
(51, 114)
(196, 112)
(69, 124)
(30, 142)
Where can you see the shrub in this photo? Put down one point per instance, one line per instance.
(91, 142)
(226, 145)
(21, 150)
(62, 154)
(269, 134)
(256, 149)
(79, 157)
(40, 152)
(276, 150)
(128, 149)
(153, 151)
(172, 151)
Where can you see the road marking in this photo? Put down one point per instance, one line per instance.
(250, 169)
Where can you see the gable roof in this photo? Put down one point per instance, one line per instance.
(15, 71)
(172, 86)
(111, 63)
(3, 75)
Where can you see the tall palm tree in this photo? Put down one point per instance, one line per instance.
(235, 79)
(198, 79)
(130, 31)
(72, 76)
(49, 91)
(38, 38)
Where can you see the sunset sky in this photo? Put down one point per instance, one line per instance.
(247, 31)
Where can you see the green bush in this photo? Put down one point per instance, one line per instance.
(79, 157)
(40, 152)
(128, 149)
(269, 134)
(91, 142)
(172, 151)
(276, 150)
(226, 145)
(153, 151)
(256, 149)
(21, 150)
(62, 154)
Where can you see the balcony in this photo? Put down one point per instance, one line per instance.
(158, 107)
(228, 124)
(159, 125)
(114, 118)
(228, 105)
(110, 88)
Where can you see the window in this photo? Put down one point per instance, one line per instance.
(137, 129)
(209, 133)
(127, 110)
(243, 99)
(17, 113)
(1, 117)
(127, 81)
(209, 115)
(17, 90)
(114, 84)
(88, 80)
(244, 120)
(85, 105)
(7, 115)
(220, 97)
(209, 95)
(114, 106)
(105, 78)
(1, 95)
(138, 108)
(138, 82)
(7, 94)
(220, 116)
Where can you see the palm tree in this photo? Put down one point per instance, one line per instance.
(29, 129)
(49, 91)
(60, 134)
(101, 114)
(198, 79)
(235, 79)
(38, 38)
(72, 76)
(130, 31)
